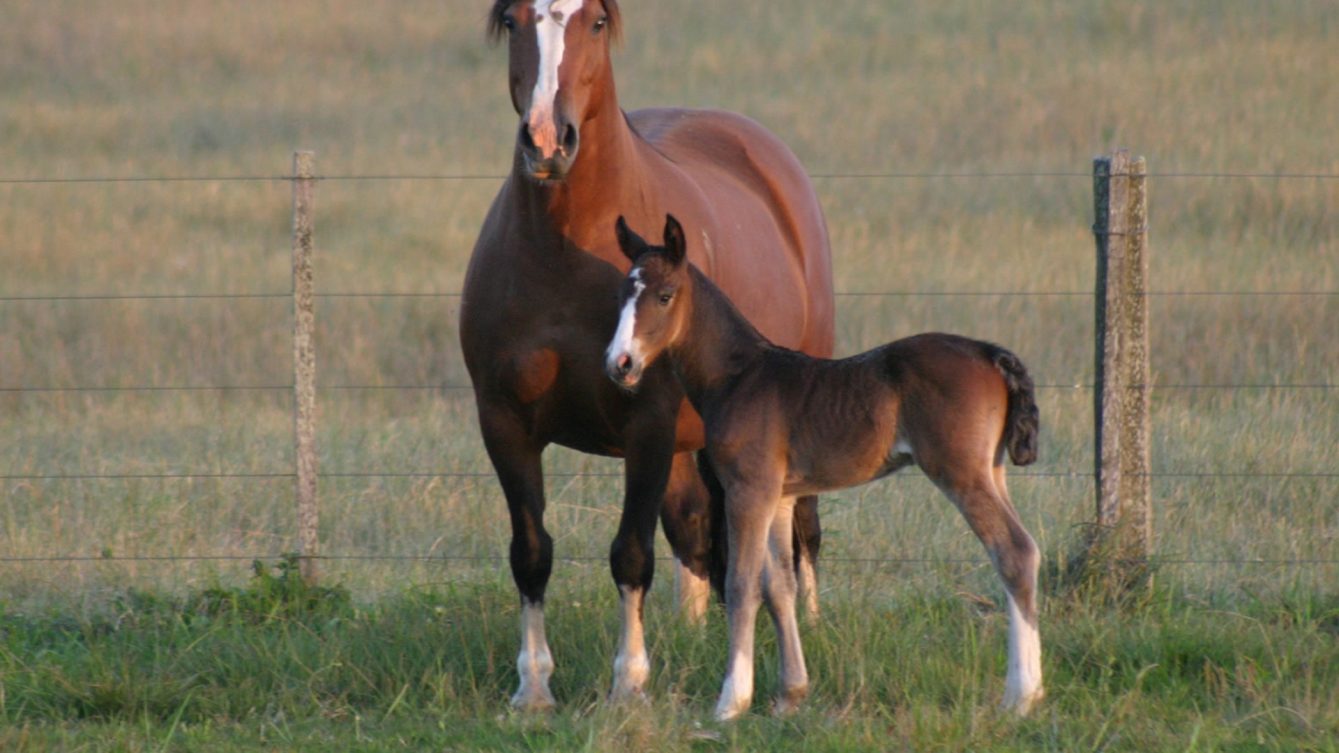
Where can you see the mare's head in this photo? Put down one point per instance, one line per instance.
(653, 302)
(559, 74)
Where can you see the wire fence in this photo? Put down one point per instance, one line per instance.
(113, 296)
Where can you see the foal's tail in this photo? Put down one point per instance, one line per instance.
(1022, 423)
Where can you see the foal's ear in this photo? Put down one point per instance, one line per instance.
(629, 242)
(676, 246)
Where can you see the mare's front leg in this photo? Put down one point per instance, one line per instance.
(516, 458)
(749, 511)
(649, 452)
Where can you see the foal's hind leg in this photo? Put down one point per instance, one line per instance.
(780, 592)
(983, 500)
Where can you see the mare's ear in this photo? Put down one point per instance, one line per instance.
(676, 246)
(629, 242)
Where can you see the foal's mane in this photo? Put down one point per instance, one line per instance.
(496, 30)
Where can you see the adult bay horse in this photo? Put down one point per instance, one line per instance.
(540, 302)
(781, 423)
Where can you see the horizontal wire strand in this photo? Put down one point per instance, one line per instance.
(820, 175)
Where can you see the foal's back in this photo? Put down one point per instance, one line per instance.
(932, 399)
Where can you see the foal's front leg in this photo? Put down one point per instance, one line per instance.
(749, 511)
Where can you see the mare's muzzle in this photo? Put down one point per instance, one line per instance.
(556, 165)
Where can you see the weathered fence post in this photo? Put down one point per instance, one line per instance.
(304, 365)
(1122, 541)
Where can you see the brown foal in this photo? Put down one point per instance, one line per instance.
(780, 424)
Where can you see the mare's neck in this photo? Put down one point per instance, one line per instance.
(606, 179)
(718, 345)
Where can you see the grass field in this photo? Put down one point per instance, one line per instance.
(1235, 649)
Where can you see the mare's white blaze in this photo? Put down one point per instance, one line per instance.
(631, 665)
(551, 24)
(625, 341)
(535, 663)
(1023, 685)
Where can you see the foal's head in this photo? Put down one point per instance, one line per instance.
(653, 302)
(559, 52)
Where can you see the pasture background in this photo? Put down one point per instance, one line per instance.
(977, 122)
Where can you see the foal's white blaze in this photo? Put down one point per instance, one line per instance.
(631, 665)
(625, 341)
(1023, 685)
(535, 663)
(551, 23)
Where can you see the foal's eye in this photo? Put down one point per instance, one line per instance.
(509, 23)
(665, 298)
(600, 23)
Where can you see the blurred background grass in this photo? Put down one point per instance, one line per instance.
(928, 95)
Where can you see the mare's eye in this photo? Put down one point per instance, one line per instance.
(509, 23)
(665, 298)
(600, 23)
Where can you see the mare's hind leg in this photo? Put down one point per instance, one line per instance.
(780, 594)
(983, 499)
(686, 516)
(517, 462)
(808, 539)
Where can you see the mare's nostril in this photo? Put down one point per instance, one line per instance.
(624, 365)
(527, 141)
(570, 139)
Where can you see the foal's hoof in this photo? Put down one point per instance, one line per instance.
(619, 695)
(1021, 704)
(730, 709)
(531, 701)
(788, 702)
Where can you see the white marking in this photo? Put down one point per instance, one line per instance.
(694, 594)
(807, 585)
(535, 663)
(625, 341)
(631, 665)
(737, 692)
(1022, 685)
(552, 17)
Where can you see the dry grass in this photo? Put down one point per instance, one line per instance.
(217, 89)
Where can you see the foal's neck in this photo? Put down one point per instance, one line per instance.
(717, 346)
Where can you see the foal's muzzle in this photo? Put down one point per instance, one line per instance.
(624, 370)
(554, 166)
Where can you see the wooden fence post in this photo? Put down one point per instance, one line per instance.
(1123, 535)
(304, 365)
